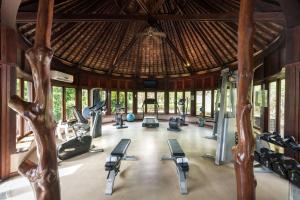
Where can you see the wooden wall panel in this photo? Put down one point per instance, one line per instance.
(292, 105)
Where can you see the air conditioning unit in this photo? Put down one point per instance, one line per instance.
(60, 76)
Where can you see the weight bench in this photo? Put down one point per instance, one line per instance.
(182, 165)
(113, 163)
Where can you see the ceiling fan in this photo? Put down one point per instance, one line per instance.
(151, 33)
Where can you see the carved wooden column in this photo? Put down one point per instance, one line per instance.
(43, 176)
(243, 152)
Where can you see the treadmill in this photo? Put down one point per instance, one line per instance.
(150, 121)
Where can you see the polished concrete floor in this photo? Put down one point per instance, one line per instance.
(149, 178)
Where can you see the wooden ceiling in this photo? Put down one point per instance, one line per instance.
(150, 38)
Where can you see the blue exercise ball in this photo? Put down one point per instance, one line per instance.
(130, 117)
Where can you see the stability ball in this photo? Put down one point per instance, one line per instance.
(130, 117)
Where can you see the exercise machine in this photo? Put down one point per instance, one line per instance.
(95, 113)
(150, 121)
(181, 162)
(176, 122)
(225, 120)
(182, 107)
(113, 163)
(119, 116)
(82, 142)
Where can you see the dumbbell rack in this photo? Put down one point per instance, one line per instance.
(287, 143)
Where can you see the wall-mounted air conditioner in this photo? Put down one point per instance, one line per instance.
(60, 76)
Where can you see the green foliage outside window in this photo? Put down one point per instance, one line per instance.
(113, 100)
(70, 102)
(84, 98)
(140, 101)
(27, 91)
(208, 102)
(161, 102)
(122, 98)
(272, 106)
(129, 102)
(199, 102)
(188, 102)
(57, 102)
(171, 102)
(150, 107)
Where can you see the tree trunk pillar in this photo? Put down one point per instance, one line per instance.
(243, 152)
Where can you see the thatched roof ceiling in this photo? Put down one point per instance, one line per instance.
(147, 38)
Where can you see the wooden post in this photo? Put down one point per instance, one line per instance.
(43, 176)
(243, 152)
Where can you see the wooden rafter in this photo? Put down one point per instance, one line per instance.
(126, 50)
(27, 17)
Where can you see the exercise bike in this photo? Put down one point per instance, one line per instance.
(176, 122)
(82, 142)
(119, 116)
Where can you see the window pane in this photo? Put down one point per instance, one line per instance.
(161, 102)
(208, 103)
(113, 100)
(18, 118)
(129, 102)
(27, 91)
(171, 102)
(188, 102)
(282, 102)
(257, 105)
(57, 102)
(272, 106)
(140, 101)
(122, 98)
(70, 102)
(150, 107)
(199, 102)
(84, 98)
(18, 89)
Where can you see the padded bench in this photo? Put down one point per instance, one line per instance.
(182, 165)
(113, 163)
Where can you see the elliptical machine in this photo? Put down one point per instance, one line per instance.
(119, 116)
(82, 142)
(182, 107)
(176, 122)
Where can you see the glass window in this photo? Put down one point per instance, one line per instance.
(140, 101)
(208, 103)
(272, 106)
(18, 118)
(84, 98)
(199, 102)
(188, 102)
(27, 91)
(70, 102)
(122, 99)
(257, 105)
(129, 102)
(179, 95)
(18, 88)
(57, 102)
(282, 102)
(161, 102)
(113, 100)
(150, 107)
(171, 102)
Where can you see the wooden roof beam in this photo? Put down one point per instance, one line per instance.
(126, 50)
(26, 17)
